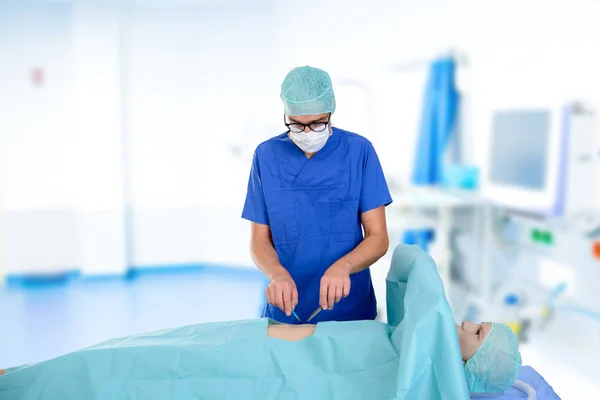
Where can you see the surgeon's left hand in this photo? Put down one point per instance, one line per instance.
(335, 285)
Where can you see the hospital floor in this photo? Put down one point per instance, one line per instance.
(42, 321)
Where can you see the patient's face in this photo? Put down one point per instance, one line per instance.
(471, 336)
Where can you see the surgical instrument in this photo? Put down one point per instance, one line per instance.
(314, 314)
(295, 315)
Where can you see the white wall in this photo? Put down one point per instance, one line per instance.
(61, 142)
(202, 78)
(199, 82)
(98, 115)
(38, 148)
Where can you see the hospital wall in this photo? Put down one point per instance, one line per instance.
(136, 148)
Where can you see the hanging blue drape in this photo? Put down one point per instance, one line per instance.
(440, 106)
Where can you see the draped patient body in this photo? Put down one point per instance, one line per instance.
(260, 359)
(415, 356)
(290, 333)
(254, 359)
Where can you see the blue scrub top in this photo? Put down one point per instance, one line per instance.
(313, 209)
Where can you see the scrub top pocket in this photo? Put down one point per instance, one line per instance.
(343, 214)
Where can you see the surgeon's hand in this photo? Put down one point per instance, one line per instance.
(335, 285)
(282, 292)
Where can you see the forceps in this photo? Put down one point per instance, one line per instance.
(314, 314)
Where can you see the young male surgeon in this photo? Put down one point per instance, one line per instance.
(311, 193)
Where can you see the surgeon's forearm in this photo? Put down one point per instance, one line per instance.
(371, 249)
(2, 371)
(265, 257)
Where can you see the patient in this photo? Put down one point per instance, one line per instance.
(489, 351)
(417, 356)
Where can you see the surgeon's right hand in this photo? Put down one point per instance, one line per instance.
(282, 292)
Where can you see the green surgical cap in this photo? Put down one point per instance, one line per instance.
(495, 366)
(307, 91)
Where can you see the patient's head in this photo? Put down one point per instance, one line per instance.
(492, 359)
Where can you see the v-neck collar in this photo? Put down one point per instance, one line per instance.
(298, 172)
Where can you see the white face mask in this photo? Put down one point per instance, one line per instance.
(310, 142)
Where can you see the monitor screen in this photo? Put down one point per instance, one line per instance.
(519, 148)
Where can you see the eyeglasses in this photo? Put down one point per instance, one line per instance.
(297, 127)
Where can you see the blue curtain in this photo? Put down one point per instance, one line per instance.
(438, 117)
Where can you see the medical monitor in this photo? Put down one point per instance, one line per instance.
(525, 157)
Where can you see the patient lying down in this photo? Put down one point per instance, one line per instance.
(421, 354)
(489, 351)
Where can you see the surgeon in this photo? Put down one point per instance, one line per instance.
(312, 192)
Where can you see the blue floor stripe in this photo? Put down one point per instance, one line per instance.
(35, 280)
(66, 277)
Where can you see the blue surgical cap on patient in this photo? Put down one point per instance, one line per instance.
(307, 91)
(495, 366)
